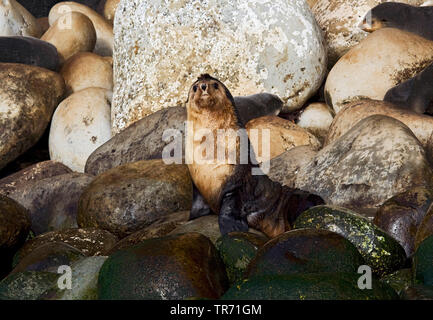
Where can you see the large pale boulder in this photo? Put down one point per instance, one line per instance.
(81, 123)
(340, 19)
(15, 20)
(383, 60)
(162, 46)
(377, 159)
(28, 96)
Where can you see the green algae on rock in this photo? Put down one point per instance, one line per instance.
(172, 267)
(399, 280)
(311, 286)
(306, 251)
(379, 250)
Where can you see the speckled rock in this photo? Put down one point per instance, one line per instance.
(41, 8)
(85, 70)
(104, 31)
(85, 273)
(80, 124)
(421, 125)
(130, 197)
(28, 96)
(48, 258)
(72, 33)
(28, 50)
(176, 267)
(140, 141)
(305, 251)
(422, 265)
(285, 167)
(316, 118)
(383, 60)
(271, 46)
(90, 241)
(340, 19)
(14, 228)
(312, 286)
(157, 229)
(284, 135)
(15, 20)
(379, 250)
(236, 250)
(207, 226)
(36, 172)
(52, 202)
(399, 280)
(377, 159)
(26, 285)
(401, 215)
(109, 10)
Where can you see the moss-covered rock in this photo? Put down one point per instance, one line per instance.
(380, 251)
(399, 280)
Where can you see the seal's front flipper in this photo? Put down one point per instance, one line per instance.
(229, 217)
(199, 208)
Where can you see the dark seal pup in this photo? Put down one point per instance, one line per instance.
(229, 189)
(418, 20)
(415, 94)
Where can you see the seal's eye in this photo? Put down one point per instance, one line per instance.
(215, 85)
(194, 88)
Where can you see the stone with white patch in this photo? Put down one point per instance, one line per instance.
(161, 47)
(15, 20)
(316, 118)
(384, 59)
(340, 19)
(81, 123)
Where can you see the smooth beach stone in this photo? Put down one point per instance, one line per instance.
(305, 251)
(236, 250)
(316, 118)
(401, 216)
(71, 33)
(283, 134)
(172, 267)
(15, 20)
(84, 286)
(130, 197)
(310, 286)
(14, 229)
(157, 229)
(422, 265)
(109, 10)
(380, 251)
(53, 201)
(27, 285)
(252, 47)
(28, 50)
(48, 258)
(378, 63)
(85, 70)
(44, 24)
(340, 20)
(28, 97)
(36, 172)
(285, 167)
(104, 31)
(80, 124)
(399, 280)
(41, 8)
(375, 160)
(143, 140)
(90, 241)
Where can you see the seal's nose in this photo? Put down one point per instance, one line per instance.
(203, 87)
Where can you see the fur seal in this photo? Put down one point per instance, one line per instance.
(418, 20)
(240, 198)
(415, 94)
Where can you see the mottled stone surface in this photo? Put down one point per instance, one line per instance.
(340, 19)
(381, 61)
(80, 124)
(130, 197)
(27, 285)
(377, 159)
(15, 20)
(28, 96)
(162, 46)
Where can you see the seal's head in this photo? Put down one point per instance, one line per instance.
(386, 15)
(208, 92)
